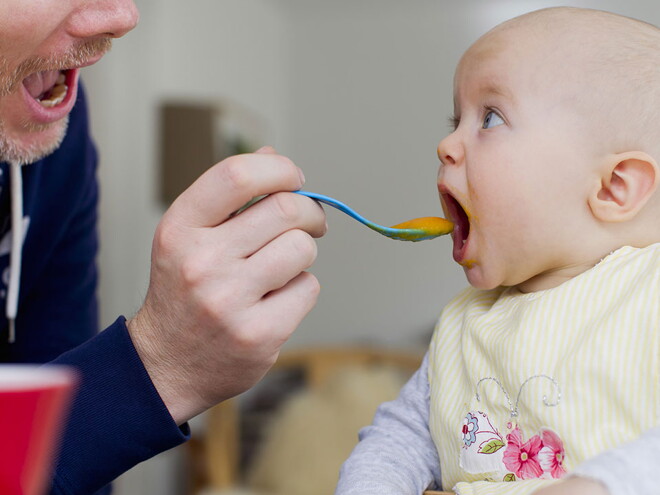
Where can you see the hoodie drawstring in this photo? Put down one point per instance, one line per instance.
(16, 247)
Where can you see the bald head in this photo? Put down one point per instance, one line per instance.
(609, 63)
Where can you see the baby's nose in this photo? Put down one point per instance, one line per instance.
(450, 150)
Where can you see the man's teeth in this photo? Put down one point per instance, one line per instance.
(56, 95)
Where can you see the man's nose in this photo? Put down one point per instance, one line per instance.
(103, 18)
(450, 150)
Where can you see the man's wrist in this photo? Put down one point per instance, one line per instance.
(162, 369)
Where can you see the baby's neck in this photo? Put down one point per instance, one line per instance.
(557, 276)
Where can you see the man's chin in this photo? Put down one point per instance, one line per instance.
(31, 145)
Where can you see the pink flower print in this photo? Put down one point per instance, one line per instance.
(522, 458)
(470, 427)
(551, 456)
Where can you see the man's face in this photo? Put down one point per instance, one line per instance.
(515, 170)
(43, 44)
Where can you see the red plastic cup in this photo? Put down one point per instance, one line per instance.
(34, 404)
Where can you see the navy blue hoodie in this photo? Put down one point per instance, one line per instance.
(118, 418)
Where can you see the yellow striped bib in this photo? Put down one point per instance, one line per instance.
(526, 386)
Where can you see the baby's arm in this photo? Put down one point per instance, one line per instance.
(395, 455)
(627, 470)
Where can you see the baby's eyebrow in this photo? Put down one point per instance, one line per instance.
(495, 89)
(487, 88)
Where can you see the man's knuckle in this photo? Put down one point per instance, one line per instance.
(236, 175)
(286, 208)
(216, 311)
(193, 271)
(314, 286)
(244, 341)
(304, 245)
(288, 166)
(165, 237)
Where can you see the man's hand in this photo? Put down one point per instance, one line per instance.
(574, 486)
(227, 291)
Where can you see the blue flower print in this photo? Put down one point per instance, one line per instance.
(470, 427)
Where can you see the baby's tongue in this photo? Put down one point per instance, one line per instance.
(40, 82)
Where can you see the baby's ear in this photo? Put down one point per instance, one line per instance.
(627, 182)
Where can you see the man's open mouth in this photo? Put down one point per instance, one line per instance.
(48, 87)
(459, 217)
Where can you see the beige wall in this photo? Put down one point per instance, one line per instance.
(357, 92)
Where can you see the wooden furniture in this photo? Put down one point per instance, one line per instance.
(215, 457)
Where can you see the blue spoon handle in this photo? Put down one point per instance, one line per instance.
(345, 208)
(419, 233)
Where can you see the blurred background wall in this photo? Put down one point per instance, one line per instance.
(356, 92)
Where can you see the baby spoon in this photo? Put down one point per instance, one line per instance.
(417, 229)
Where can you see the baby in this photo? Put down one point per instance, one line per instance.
(548, 367)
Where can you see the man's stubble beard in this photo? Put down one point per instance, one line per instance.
(12, 150)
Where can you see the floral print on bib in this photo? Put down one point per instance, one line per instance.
(511, 457)
(484, 450)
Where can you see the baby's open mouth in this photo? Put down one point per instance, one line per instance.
(461, 222)
(48, 87)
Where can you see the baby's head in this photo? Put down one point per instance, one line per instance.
(553, 162)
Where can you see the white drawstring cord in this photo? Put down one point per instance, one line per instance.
(16, 247)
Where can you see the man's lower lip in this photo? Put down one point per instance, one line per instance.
(41, 115)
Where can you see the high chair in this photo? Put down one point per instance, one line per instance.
(215, 456)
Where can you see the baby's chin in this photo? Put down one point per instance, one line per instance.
(480, 278)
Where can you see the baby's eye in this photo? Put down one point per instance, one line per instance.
(491, 120)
